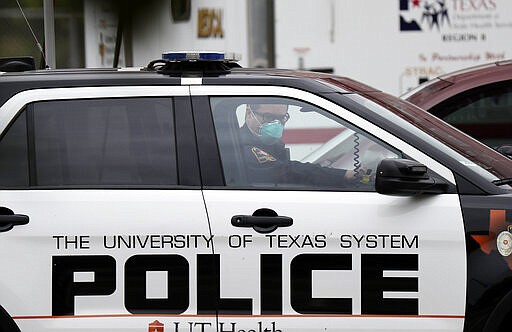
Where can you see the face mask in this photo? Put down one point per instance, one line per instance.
(271, 132)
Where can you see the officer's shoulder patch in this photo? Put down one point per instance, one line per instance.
(261, 155)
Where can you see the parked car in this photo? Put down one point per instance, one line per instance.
(477, 100)
(195, 195)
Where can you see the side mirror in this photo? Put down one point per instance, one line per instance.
(404, 177)
(505, 149)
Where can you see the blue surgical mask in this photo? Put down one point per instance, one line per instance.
(271, 132)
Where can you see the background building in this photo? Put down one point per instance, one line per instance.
(390, 44)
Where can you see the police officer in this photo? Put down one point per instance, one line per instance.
(267, 160)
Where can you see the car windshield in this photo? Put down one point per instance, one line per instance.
(493, 164)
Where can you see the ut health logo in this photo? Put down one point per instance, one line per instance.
(156, 326)
(419, 15)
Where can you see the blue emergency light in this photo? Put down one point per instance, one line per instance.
(200, 56)
(195, 63)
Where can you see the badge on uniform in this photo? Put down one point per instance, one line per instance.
(261, 155)
(504, 242)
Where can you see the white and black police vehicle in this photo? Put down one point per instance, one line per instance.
(133, 200)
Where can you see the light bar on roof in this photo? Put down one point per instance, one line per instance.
(200, 56)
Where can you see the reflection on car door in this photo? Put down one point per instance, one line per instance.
(117, 221)
(342, 258)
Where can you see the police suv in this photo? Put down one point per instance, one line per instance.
(129, 202)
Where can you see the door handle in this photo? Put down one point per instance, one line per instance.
(262, 221)
(8, 219)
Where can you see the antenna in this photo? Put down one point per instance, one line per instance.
(32, 31)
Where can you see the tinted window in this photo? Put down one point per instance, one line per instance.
(432, 130)
(270, 142)
(484, 113)
(105, 142)
(14, 155)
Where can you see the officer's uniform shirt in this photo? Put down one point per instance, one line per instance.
(270, 164)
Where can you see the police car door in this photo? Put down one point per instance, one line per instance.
(115, 225)
(298, 251)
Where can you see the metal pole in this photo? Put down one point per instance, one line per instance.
(271, 38)
(119, 34)
(49, 32)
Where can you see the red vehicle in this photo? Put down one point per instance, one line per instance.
(476, 100)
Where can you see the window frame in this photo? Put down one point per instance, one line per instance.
(187, 162)
(200, 91)
(4, 133)
(322, 115)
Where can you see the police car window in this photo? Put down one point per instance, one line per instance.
(270, 142)
(127, 141)
(14, 155)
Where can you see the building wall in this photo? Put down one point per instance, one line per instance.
(365, 40)
(100, 25)
(389, 44)
(154, 31)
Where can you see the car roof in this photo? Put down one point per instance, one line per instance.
(332, 87)
(14, 82)
(484, 71)
(445, 86)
